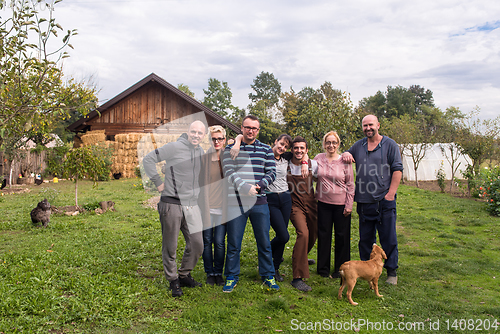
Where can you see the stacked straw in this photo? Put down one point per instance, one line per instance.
(93, 137)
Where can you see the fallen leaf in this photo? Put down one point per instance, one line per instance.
(48, 250)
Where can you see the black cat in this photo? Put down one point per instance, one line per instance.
(41, 214)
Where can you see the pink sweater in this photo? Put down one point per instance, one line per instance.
(335, 182)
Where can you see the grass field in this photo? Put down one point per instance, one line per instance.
(103, 274)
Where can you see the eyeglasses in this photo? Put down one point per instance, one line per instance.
(249, 128)
(333, 143)
(215, 140)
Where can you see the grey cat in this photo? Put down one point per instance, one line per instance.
(41, 214)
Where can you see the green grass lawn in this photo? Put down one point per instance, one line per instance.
(103, 273)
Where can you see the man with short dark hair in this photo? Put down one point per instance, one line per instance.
(178, 207)
(249, 175)
(304, 214)
(378, 173)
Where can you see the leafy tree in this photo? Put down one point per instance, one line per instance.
(269, 130)
(478, 137)
(293, 104)
(452, 154)
(397, 101)
(374, 105)
(33, 94)
(185, 89)
(329, 110)
(267, 88)
(218, 97)
(92, 162)
(422, 96)
(401, 129)
(411, 136)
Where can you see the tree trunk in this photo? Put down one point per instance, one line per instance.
(416, 178)
(10, 175)
(76, 192)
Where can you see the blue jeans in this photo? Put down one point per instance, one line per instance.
(214, 262)
(280, 207)
(259, 217)
(381, 217)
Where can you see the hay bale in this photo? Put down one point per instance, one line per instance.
(91, 138)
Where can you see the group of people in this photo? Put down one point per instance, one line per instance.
(209, 197)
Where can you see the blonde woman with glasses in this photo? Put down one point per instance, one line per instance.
(335, 195)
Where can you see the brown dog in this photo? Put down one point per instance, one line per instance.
(368, 270)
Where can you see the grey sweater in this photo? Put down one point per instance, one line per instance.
(182, 170)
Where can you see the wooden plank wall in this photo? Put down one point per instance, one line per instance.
(143, 111)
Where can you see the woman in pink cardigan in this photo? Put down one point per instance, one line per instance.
(335, 195)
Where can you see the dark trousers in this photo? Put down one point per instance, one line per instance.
(330, 217)
(381, 217)
(280, 207)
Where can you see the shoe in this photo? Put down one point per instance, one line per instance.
(392, 280)
(230, 284)
(278, 276)
(311, 262)
(324, 275)
(335, 275)
(270, 282)
(219, 280)
(188, 281)
(176, 288)
(301, 285)
(211, 280)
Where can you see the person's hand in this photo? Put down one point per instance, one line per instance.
(161, 187)
(235, 150)
(389, 196)
(254, 190)
(304, 170)
(347, 212)
(347, 158)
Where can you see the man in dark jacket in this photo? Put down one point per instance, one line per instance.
(378, 173)
(178, 207)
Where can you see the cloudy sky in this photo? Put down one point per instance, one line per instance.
(451, 47)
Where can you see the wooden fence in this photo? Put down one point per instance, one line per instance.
(28, 164)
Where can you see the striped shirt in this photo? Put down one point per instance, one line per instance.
(254, 165)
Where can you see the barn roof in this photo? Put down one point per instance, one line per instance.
(80, 124)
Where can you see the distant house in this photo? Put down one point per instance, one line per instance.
(144, 107)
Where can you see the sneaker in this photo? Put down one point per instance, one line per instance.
(311, 262)
(219, 280)
(270, 282)
(211, 280)
(230, 284)
(176, 288)
(301, 285)
(392, 280)
(188, 281)
(278, 276)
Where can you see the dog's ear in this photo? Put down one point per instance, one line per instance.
(383, 255)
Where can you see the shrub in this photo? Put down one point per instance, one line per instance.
(490, 189)
(55, 156)
(441, 178)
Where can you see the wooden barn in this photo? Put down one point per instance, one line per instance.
(151, 105)
(144, 107)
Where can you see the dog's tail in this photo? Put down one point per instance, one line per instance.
(342, 277)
